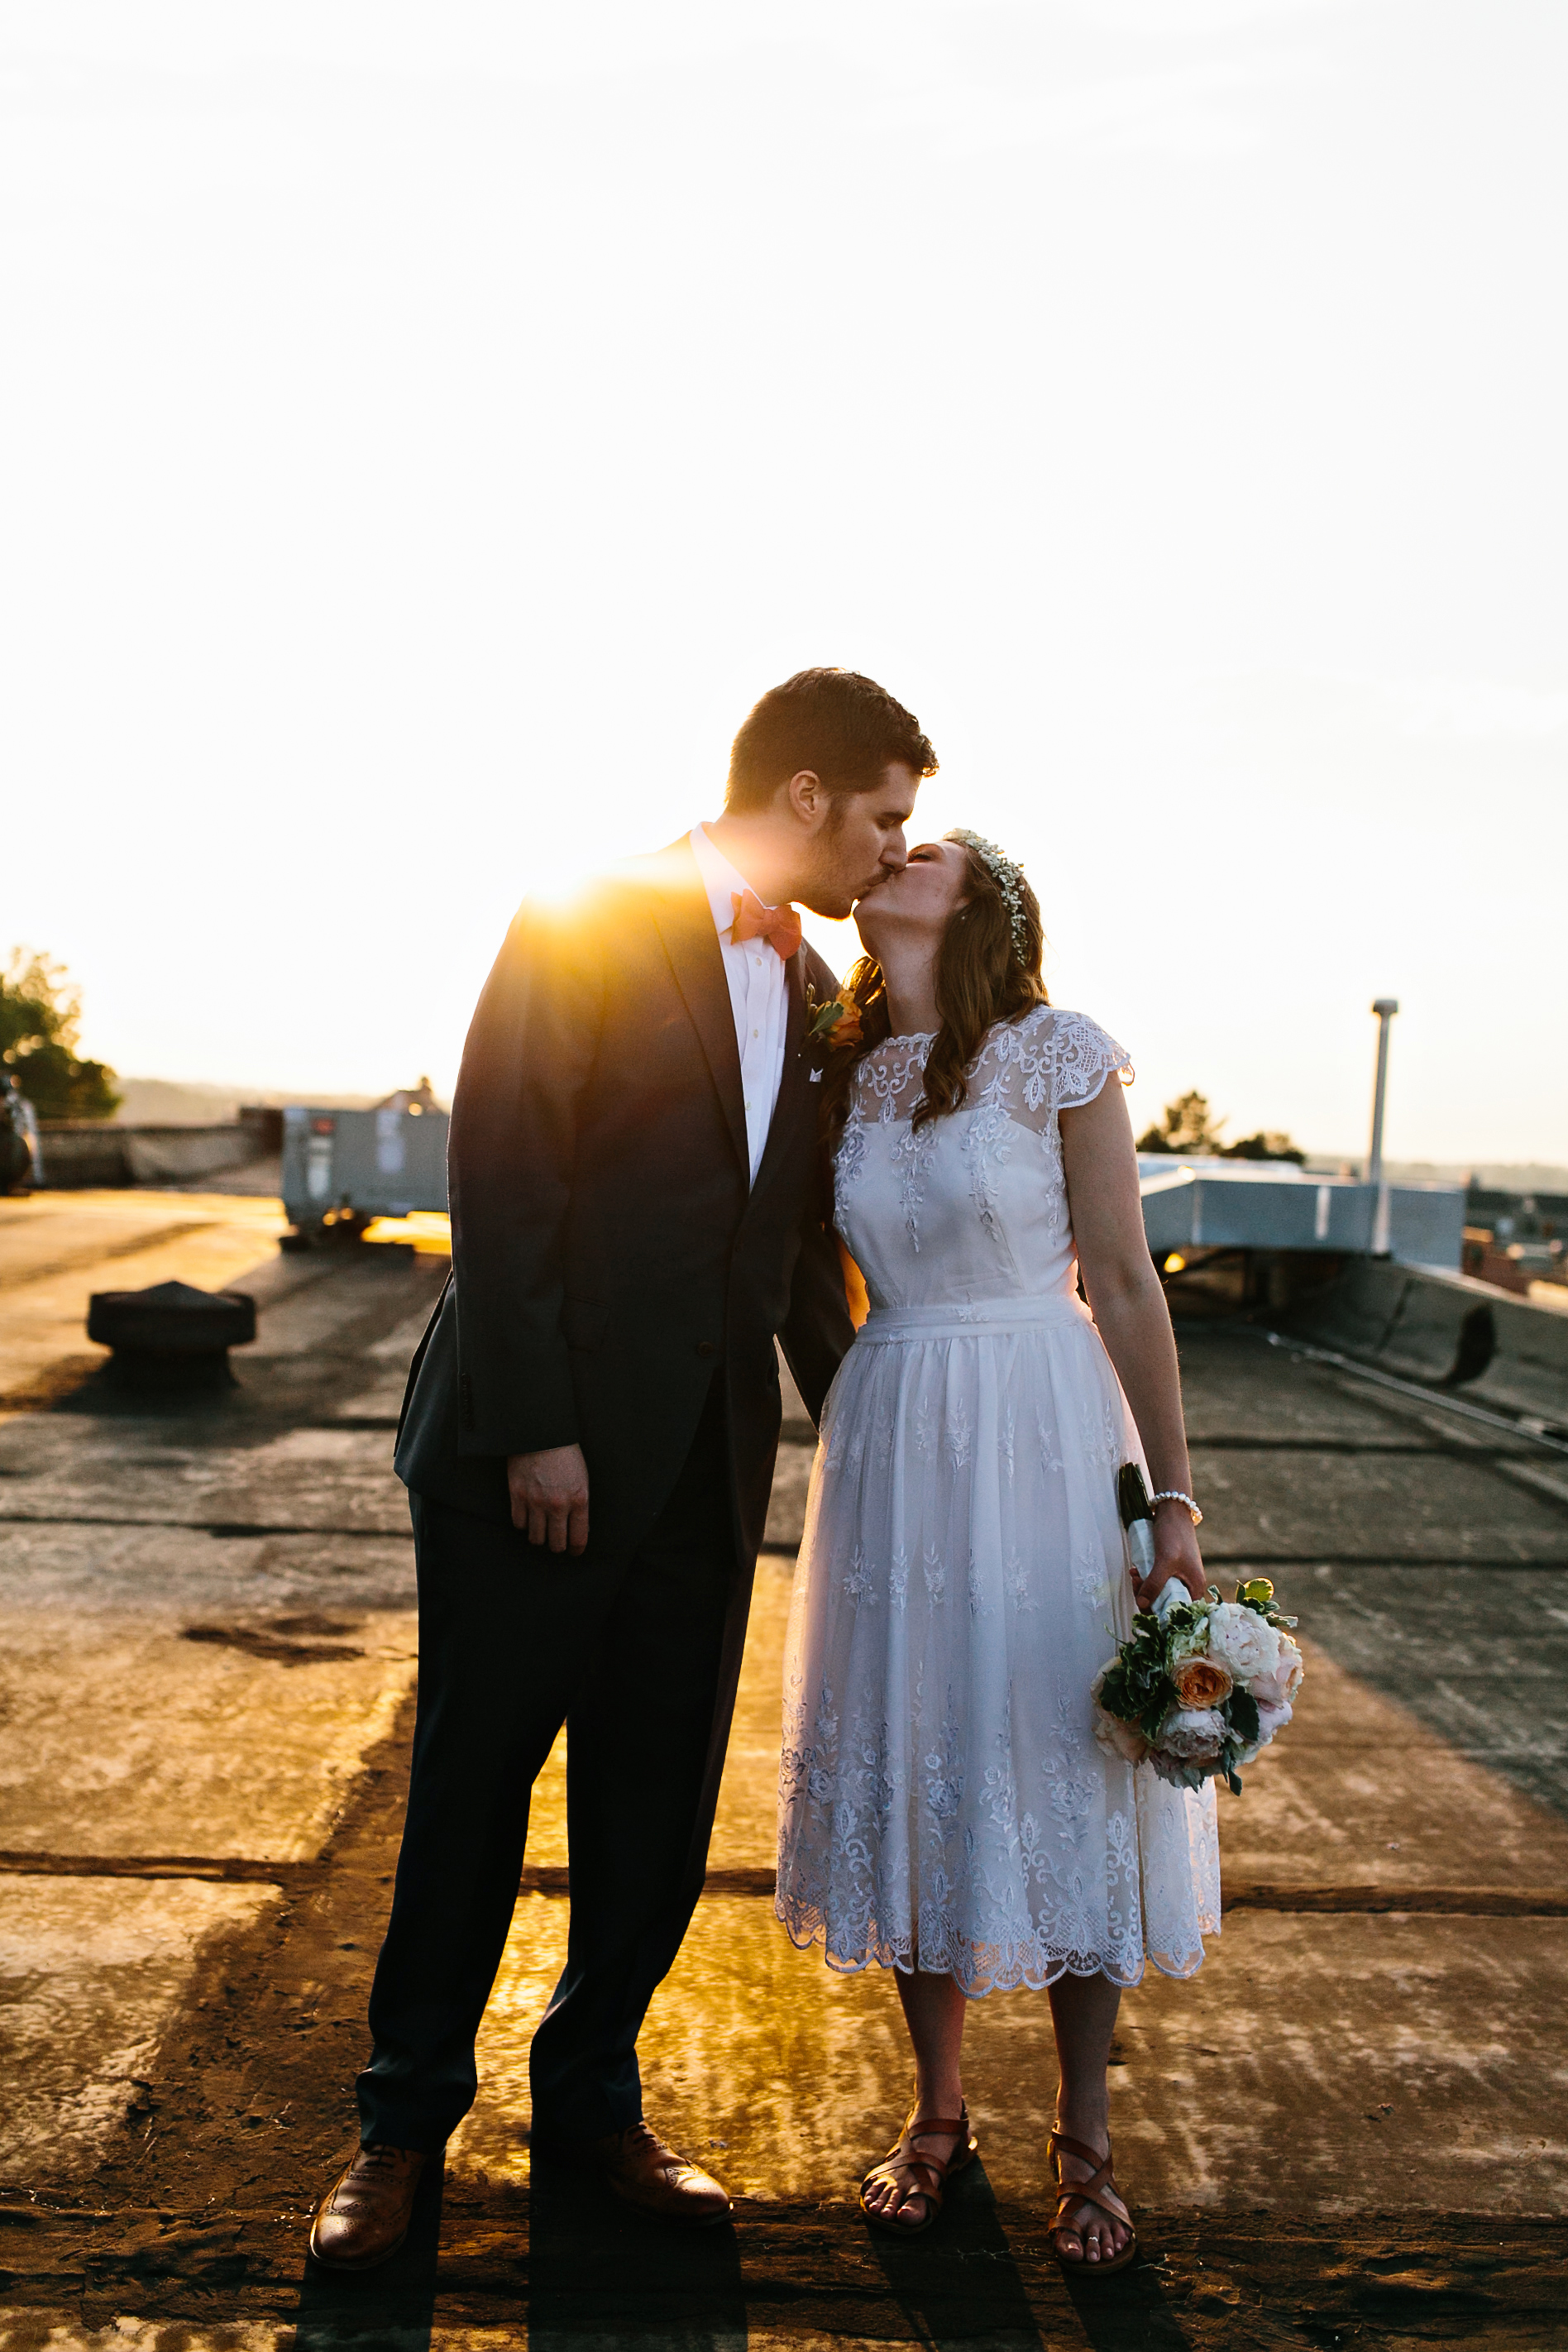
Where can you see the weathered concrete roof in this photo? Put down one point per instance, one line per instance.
(206, 1654)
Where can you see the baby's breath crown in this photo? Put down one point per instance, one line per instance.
(1006, 876)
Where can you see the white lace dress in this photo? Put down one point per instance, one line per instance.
(964, 1575)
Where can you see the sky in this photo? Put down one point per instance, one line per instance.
(427, 430)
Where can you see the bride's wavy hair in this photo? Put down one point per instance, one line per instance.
(981, 978)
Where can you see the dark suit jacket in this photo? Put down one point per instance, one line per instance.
(608, 1257)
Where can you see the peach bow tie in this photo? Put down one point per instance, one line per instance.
(779, 926)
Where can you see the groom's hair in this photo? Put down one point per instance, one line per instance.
(846, 728)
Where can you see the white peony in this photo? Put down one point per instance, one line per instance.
(1270, 1719)
(1279, 1688)
(1195, 1733)
(1244, 1643)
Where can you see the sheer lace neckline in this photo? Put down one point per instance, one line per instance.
(1024, 1071)
(903, 1039)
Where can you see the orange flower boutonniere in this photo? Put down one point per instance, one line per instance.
(835, 1024)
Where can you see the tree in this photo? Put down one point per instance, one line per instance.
(1264, 1146)
(40, 1015)
(1186, 1124)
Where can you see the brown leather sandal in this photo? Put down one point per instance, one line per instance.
(1087, 2193)
(926, 2174)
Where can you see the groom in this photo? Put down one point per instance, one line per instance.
(590, 1428)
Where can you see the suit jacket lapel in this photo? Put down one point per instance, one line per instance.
(794, 1082)
(685, 922)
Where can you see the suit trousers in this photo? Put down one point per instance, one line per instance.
(640, 1659)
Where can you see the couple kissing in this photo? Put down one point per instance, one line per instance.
(670, 1128)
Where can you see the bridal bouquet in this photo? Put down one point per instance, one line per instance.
(1203, 1686)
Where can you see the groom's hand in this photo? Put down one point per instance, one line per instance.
(549, 1496)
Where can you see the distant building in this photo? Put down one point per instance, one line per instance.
(1515, 1239)
(415, 1099)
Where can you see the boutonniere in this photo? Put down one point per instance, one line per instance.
(835, 1024)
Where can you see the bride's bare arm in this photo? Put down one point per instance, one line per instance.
(1129, 1308)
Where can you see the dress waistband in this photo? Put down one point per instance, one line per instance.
(964, 1319)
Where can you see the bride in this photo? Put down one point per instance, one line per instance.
(945, 1808)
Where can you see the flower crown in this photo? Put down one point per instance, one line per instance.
(1008, 878)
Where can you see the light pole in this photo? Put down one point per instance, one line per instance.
(1386, 1007)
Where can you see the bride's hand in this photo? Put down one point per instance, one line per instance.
(1176, 1554)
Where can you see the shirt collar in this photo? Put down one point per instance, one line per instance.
(720, 879)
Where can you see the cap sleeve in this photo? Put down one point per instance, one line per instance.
(1085, 1055)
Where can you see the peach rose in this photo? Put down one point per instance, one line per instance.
(1124, 1740)
(1201, 1682)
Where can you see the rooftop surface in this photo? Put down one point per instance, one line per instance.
(1348, 2129)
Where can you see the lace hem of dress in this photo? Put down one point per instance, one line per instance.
(1030, 1967)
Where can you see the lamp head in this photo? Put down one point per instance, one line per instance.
(1386, 1006)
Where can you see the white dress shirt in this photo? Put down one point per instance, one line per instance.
(758, 995)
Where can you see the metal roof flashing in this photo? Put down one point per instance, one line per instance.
(1273, 1205)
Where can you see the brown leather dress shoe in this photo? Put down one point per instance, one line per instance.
(637, 2165)
(364, 2218)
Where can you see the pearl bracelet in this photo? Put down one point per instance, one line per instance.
(1174, 1494)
